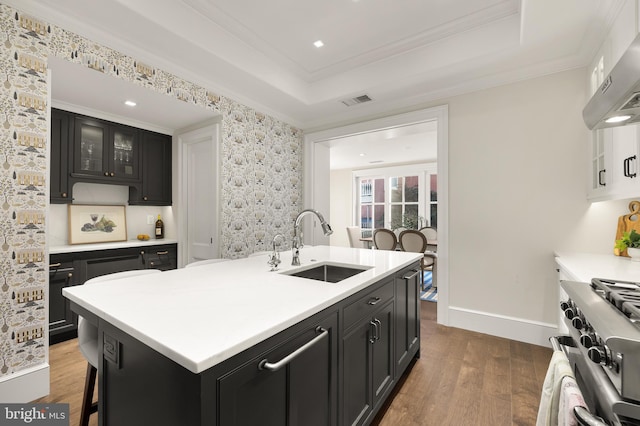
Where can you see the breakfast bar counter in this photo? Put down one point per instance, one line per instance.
(235, 343)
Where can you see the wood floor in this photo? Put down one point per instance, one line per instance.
(462, 378)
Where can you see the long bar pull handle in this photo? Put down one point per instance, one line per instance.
(408, 277)
(161, 253)
(585, 418)
(266, 365)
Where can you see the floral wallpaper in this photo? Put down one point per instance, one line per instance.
(261, 171)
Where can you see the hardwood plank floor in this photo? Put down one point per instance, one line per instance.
(462, 378)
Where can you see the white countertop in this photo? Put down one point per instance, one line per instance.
(108, 246)
(200, 316)
(584, 266)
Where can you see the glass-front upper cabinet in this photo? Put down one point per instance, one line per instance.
(105, 151)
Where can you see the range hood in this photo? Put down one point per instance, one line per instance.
(619, 94)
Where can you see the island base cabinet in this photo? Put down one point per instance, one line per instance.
(407, 321)
(367, 366)
(299, 392)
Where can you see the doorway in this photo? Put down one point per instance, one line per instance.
(317, 164)
(198, 188)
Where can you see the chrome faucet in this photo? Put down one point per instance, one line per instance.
(297, 240)
(274, 258)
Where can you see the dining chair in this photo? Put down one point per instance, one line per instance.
(204, 262)
(384, 239)
(88, 344)
(432, 235)
(355, 233)
(415, 242)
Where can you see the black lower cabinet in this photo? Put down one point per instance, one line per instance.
(367, 366)
(300, 392)
(407, 317)
(62, 321)
(67, 269)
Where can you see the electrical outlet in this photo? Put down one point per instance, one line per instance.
(151, 219)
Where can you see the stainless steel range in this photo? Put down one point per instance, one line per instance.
(604, 348)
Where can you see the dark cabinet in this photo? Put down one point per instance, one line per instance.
(62, 321)
(105, 151)
(155, 188)
(367, 356)
(69, 269)
(87, 149)
(407, 317)
(293, 383)
(61, 134)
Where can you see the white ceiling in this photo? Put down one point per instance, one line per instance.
(401, 53)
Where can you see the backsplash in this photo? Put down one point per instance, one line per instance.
(260, 187)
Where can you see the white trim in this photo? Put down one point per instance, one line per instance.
(26, 385)
(519, 329)
(439, 113)
(211, 129)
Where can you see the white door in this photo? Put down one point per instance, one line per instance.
(199, 195)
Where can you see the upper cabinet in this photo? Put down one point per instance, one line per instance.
(155, 188)
(88, 149)
(614, 152)
(105, 151)
(61, 134)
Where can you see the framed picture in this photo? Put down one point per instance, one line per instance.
(96, 224)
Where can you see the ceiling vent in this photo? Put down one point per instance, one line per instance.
(357, 100)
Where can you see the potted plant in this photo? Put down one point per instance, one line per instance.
(631, 242)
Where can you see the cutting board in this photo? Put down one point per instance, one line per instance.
(626, 223)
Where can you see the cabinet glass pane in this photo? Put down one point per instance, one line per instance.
(123, 145)
(91, 148)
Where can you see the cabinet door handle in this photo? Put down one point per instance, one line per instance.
(145, 198)
(625, 167)
(106, 174)
(632, 158)
(375, 334)
(55, 265)
(601, 175)
(373, 301)
(410, 277)
(112, 174)
(162, 253)
(64, 195)
(266, 365)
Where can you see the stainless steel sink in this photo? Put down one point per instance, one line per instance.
(328, 272)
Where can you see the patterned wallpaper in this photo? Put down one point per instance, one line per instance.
(261, 172)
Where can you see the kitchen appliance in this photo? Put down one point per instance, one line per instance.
(619, 94)
(603, 348)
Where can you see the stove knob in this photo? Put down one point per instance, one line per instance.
(564, 305)
(569, 313)
(577, 323)
(588, 340)
(598, 354)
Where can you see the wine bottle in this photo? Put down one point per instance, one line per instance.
(159, 228)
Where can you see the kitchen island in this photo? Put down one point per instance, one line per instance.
(201, 345)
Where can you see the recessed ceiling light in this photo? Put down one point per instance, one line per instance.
(617, 119)
(362, 154)
(318, 43)
(130, 103)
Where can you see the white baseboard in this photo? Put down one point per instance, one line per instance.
(521, 330)
(25, 386)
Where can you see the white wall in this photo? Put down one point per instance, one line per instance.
(517, 187)
(341, 200)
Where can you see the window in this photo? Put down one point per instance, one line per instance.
(396, 197)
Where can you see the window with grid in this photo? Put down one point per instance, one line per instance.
(397, 197)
